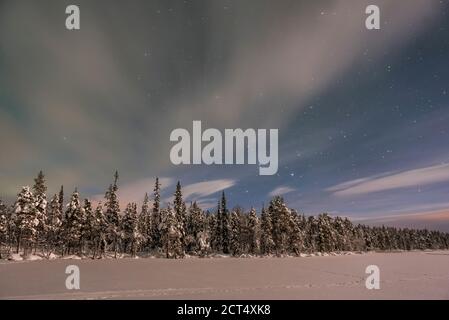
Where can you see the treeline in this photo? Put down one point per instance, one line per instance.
(32, 224)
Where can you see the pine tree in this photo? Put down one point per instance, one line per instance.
(297, 234)
(87, 221)
(3, 226)
(235, 232)
(171, 234)
(217, 233)
(30, 223)
(326, 234)
(39, 190)
(196, 226)
(179, 207)
(54, 224)
(132, 236)
(310, 231)
(156, 218)
(145, 222)
(341, 243)
(61, 199)
(253, 232)
(221, 235)
(26, 220)
(113, 215)
(73, 223)
(99, 233)
(281, 219)
(266, 238)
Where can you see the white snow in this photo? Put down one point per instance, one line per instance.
(15, 257)
(404, 275)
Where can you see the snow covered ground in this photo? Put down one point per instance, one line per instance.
(403, 275)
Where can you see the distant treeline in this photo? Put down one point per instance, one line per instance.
(32, 224)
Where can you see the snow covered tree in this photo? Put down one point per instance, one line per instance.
(196, 226)
(171, 234)
(144, 222)
(235, 232)
(217, 234)
(73, 223)
(282, 223)
(253, 232)
(342, 240)
(326, 234)
(3, 226)
(54, 224)
(39, 190)
(26, 220)
(31, 223)
(130, 224)
(87, 224)
(113, 215)
(99, 232)
(221, 238)
(297, 233)
(61, 199)
(266, 237)
(179, 207)
(156, 218)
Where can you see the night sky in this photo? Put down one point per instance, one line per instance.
(363, 115)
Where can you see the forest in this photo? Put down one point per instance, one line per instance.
(33, 225)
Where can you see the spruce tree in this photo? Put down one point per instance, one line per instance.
(132, 235)
(282, 222)
(171, 234)
(326, 234)
(87, 224)
(73, 223)
(99, 234)
(3, 226)
(297, 236)
(54, 224)
(61, 199)
(144, 222)
(266, 238)
(217, 231)
(253, 232)
(235, 230)
(113, 215)
(39, 190)
(156, 218)
(26, 220)
(179, 207)
(195, 227)
(224, 224)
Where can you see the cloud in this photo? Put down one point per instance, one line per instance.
(281, 190)
(389, 181)
(298, 57)
(433, 220)
(116, 98)
(198, 191)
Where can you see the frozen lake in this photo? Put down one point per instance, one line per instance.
(407, 275)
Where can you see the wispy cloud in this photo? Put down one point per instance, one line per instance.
(199, 190)
(435, 220)
(389, 181)
(281, 190)
(106, 82)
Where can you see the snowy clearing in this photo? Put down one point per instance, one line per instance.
(404, 275)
